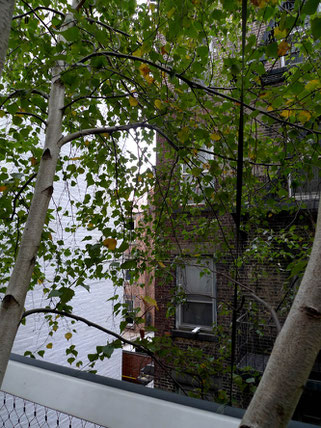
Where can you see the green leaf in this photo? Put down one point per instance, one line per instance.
(128, 264)
(272, 50)
(316, 28)
(71, 34)
(108, 350)
(310, 7)
(92, 357)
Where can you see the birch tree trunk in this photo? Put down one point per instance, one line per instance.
(13, 303)
(6, 11)
(294, 352)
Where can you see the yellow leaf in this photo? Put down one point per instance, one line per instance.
(312, 85)
(270, 108)
(149, 79)
(265, 94)
(215, 136)
(55, 328)
(86, 142)
(106, 135)
(171, 12)
(75, 158)
(183, 134)
(279, 34)
(150, 301)
(144, 69)
(138, 52)
(49, 345)
(150, 175)
(286, 113)
(304, 116)
(133, 102)
(110, 243)
(68, 336)
(283, 48)
(206, 166)
(259, 3)
(33, 161)
(161, 264)
(74, 113)
(158, 104)
(90, 225)
(3, 188)
(2, 113)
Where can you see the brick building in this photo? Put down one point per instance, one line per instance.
(207, 300)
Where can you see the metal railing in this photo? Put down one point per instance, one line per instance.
(16, 412)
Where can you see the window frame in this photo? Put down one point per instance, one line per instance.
(130, 302)
(209, 298)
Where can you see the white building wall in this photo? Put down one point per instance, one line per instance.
(93, 305)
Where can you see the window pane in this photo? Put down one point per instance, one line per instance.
(194, 283)
(197, 314)
(130, 308)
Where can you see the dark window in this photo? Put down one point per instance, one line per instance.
(197, 280)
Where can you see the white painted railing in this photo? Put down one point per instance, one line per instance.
(104, 404)
(112, 403)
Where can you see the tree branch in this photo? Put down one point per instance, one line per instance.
(196, 85)
(107, 97)
(112, 129)
(19, 193)
(108, 27)
(104, 330)
(20, 92)
(39, 8)
(24, 113)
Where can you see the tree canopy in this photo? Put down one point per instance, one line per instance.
(233, 92)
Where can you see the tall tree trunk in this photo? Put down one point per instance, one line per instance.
(294, 352)
(13, 303)
(6, 11)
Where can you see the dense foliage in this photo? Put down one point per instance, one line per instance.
(176, 69)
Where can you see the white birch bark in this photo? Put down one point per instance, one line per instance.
(6, 11)
(294, 352)
(13, 303)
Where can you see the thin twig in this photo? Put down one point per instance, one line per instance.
(39, 8)
(196, 85)
(104, 330)
(19, 193)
